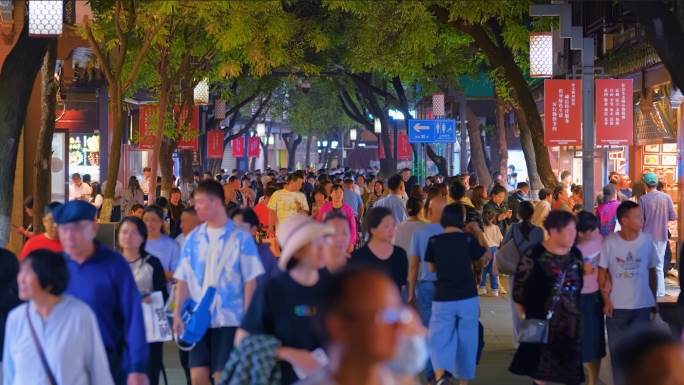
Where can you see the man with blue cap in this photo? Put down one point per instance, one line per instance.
(658, 210)
(102, 278)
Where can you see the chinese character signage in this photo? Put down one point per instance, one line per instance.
(563, 112)
(238, 145)
(146, 122)
(192, 126)
(215, 144)
(404, 151)
(253, 147)
(614, 112)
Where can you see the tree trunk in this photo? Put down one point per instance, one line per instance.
(527, 145)
(116, 114)
(163, 97)
(292, 145)
(187, 177)
(439, 161)
(500, 56)
(42, 164)
(664, 32)
(17, 77)
(501, 135)
(476, 150)
(307, 159)
(166, 165)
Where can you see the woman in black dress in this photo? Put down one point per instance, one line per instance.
(536, 282)
(379, 252)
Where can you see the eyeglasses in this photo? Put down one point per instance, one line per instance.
(321, 241)
(394, 315)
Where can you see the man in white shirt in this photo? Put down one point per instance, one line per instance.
(630, 257)
(79, 190)
(287, 202)
(118, 194)
(145, 183)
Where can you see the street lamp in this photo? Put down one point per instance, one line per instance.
(261, 130)
(201, 94)
(438, 104)
(45, 18)
(352, 134)
(377, 127)
(306, 86)
(541, 54)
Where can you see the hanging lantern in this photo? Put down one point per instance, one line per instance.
(352, 134)
(219, 109)
(261, 130)
(541, 54)
(45, 18)
(438, 104)
(378, 126)
(202, 93)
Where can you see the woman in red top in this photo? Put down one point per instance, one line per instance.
(47, 240)
(561, 200)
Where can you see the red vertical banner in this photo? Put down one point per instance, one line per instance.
(146, 122)
(404, 152)
(187, 143)
(614, 112)
(215, 144)
(253, 147)
(563, 112)
(381, 149)
(238, 145)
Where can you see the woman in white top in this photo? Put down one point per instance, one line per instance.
(403, 232)
(58, 327)
(494, 238)
(96, 196)
(133, 195)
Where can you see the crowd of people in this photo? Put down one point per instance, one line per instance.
(336, 276)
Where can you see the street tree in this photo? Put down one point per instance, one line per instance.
(117, 30)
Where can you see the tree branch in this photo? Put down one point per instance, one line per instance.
(106, 67)
(249, 124)
(138, 60)
(371, 87)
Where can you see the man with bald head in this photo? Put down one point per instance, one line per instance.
(420, 280)
(365, 335)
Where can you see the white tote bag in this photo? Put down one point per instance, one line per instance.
(157, 328)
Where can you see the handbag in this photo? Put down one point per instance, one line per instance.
(197, 316)
(536, 331)
(46, 366)
(508, 257)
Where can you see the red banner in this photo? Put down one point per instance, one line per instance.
(238, 145)
(215, 144)
(614, 112)
(146, 121)
(254, 147)
(193, 126)
(404, 152)
(563, 112)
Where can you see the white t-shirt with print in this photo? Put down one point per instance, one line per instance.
(628, 263)
(283, 202)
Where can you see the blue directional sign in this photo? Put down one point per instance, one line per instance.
(432, 131)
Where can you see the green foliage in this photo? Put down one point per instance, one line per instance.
(315, 113)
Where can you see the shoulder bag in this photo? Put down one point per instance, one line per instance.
(46, 366)
(536, 331)
(508, 256)
(197, 316)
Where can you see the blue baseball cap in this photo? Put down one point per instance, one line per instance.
(650, 179)
(74, 211)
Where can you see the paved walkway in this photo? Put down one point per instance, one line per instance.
(497, 356)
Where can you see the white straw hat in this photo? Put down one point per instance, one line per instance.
(295, 232)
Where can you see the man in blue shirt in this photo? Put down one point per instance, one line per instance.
(229, 257)
(102, 278)
(394, 200)
(352, 199)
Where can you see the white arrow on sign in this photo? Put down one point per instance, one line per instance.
(420, 128)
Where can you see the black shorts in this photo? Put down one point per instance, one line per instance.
(214, 349)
